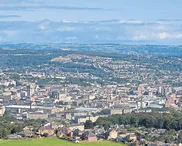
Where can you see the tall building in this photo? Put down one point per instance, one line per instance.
(171, 100)
(161, 90)
(30, 90)
(2, 110)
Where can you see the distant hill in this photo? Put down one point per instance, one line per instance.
(107, 48)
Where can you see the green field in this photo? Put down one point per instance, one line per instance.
(53, 142)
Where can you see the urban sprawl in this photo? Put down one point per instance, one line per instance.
(123, 96)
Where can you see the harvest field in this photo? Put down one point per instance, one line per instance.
(53, 142)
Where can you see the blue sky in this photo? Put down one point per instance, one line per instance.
(91, 21)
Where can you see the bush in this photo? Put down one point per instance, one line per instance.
(45, 134)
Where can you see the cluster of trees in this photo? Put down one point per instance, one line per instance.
(9, 128)
(28, 57)
(27, 60)
(15, 77)
(168, 137)
(88, 124)
(8, 125)
(173, 120)
(3, 133)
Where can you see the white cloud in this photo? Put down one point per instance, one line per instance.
(157, 36)
(89, 32)
(10, 33)
(42, 27)
(140, 37)
(131, 21)
(65, 28)
(103, 28)
(24, 6)
(178, 36)
(44, 24)
(165, 35)
(9, 16)
(160, 28)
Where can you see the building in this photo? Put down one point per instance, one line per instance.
(37, 115)
(143, 110)
(26, 133)
(113, 134)
(76, 126)
(30, 128)
(23, 94)
(132, 137)
(68, 116)
(30, 90)
(89, 136)
(171, 100)
(83, 119)
(114, 111)
(8, 83)
(26, 108)
(46, 129)
(2, 110)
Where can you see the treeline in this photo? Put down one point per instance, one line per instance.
(169, 121)
(27, 60)
(12, 128)
(8, 125)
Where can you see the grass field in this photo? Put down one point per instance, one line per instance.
(53, 142)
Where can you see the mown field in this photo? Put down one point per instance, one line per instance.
(53, 142)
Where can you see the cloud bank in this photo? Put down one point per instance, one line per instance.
(111, 31)
(9, 16)
(32, 6)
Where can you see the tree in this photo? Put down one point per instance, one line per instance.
(88, 124)
(45, 134)
(3, 133)
(180, 137)
(173, 120)
(15, 129)
(15, 77)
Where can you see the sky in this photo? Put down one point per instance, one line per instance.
(91, 21)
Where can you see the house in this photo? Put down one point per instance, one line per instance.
(121, 138)
(76, 126)
(26, 133)
(30, 128)
(14, 137)
(64, 131)
(117, 127)
(132, 137)
(157, 131)
(98, 130)
(112, 134)
(46, 129)
(89, 136)
(77, 133)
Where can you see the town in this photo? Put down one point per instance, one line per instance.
(76, 95)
